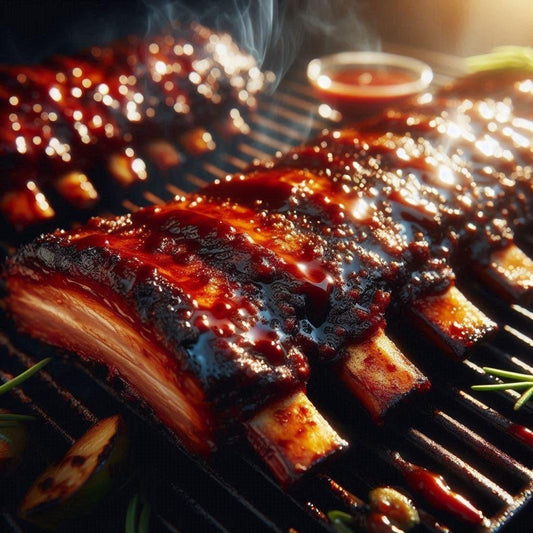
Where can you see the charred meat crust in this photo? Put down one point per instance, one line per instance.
(135, 292)
(237, 282)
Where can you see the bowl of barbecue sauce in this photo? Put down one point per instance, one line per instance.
(362, 83)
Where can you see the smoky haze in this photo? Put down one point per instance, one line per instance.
(277, 33)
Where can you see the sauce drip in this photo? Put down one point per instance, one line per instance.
(522, 433)
(437, 492)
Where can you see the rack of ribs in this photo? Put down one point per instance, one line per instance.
(66, 122)
(214, 307)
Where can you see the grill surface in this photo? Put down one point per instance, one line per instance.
(475, 440)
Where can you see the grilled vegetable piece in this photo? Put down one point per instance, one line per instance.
(292, 437)
(81, 479)
(399, 509)
(13, 442)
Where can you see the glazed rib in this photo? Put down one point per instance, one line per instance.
(362, 266)
(106, 107)
(444, 173)
(204, 311)
(229, 293)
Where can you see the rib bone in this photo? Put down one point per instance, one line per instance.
(379, 375)
(451, 321)
(292, 437)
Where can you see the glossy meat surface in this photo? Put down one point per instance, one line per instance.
(428, 188)
(237, 287)
(204, 293)
(105, 108)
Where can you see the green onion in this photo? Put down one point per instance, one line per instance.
(17, 380)
(522, 381)
(502, 57)
(341, 521)
(13, 417)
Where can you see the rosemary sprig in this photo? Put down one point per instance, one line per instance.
(521, 381)
(17, 380)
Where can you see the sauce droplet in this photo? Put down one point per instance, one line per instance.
(437, 492)
(522, 433)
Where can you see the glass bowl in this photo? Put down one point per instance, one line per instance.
(363, 82)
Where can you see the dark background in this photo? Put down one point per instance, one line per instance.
(31, 30)
(277, 31)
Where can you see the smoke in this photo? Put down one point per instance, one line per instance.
(277, 33)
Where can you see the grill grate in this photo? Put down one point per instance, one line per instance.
(475, 440)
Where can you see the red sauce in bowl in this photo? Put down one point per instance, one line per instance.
(363, 82)
(367, 77)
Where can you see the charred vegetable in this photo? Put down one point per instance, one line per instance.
(13, 429)
(13, 440)
(81, 479)
(397, 507)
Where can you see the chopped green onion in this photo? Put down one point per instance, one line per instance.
(522, 381)
(17, 380)
(13, 417)
(523, 399)
(131, 514)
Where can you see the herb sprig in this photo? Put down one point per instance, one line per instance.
(519, 382)
(137, 522)
(21, 378)
(15, 382)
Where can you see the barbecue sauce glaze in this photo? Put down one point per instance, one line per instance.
(301, 257)
(444, 177)
(103, 107)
